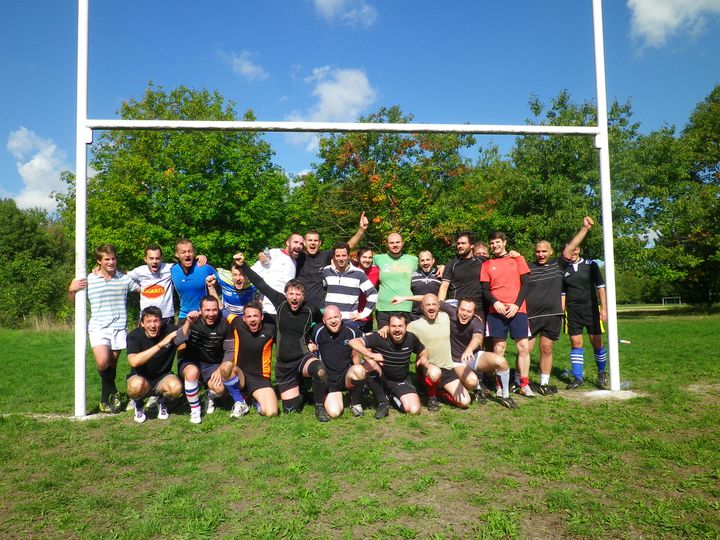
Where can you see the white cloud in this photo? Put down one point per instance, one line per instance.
(244, 65)
(342, 95)
(39, 163)
(656, 21)
(348, 12)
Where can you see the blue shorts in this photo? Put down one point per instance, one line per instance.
(497, 326)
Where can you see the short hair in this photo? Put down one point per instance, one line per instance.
(495, 235)
(425, 251)
(398, 315)
(467, 299)
(184, 240)
(295, 284)
(341, 245)
(480, 243)
(363, 249)
(153, 247)
(313, 231)
(294, 234)
(254, 304)
(151, 311)
(236, 266)
(104, 249)
(208, 298)
(469, 234)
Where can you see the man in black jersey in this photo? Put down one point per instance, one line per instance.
(544, 301)
(461, 277)
(151, 353)
(424, 280)
(208, 359)
(294, 320)
(344, 370)
(254, 340)
(392, 355)
(583, 284)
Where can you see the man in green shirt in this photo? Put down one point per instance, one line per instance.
(396, 270)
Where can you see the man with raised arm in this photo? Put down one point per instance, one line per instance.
(392, 355)
(107, 290)
(235, 290)
(254, 340)
(151, 352)
(584, 283)
(544, 301)
(295, 360)
(208, 359)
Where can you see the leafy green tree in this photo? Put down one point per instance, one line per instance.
(218, 188)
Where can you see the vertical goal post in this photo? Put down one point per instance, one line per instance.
(84, 135)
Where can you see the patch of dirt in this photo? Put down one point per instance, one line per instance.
(601, 395)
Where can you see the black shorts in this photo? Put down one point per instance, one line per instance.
(581, 317)
(383, 317)
(446, 375)
(255, 382)
(399, 388)
(153, 383)
(288, 375)
(549, 326)
(337, 383)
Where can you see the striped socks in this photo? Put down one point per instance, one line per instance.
(576, 360)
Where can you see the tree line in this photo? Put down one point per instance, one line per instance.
(223, 190)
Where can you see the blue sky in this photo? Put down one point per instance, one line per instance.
(471, 61)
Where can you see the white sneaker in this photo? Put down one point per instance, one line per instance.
(195, 416)
(239, 409)
(357, 410)
(139, 415)
(163, 413)
(526, 391)
(209, 404)
(151, 402)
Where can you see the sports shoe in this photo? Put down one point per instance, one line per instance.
(498, 391)
(104, 407)
(507, 402)
(115, 403)
(320, 413)
(239, 409)
(526, 391)
(357, 410)
(602, 379)
(195, 416)
(151, 402)
(382, 410)
(139, 415)
(433, 404)
(547, 389)
(209, 404)
(575, 383)
(163, 413)
(480, 394)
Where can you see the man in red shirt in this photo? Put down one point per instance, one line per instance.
(504, 286)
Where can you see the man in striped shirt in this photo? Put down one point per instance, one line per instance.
(107, 290)
(345, 283)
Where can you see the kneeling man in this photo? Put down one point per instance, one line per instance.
(151, 353)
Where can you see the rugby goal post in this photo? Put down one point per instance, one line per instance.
(671, 300)
(84, 135)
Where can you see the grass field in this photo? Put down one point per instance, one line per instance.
(555, 467)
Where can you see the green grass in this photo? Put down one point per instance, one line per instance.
(556, 467)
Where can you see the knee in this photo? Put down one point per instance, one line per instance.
(137, 387)
(191, 373)
(471, 380)
(174, 388)
(413, 408)
(333, 409)
(357, 373)
(226, 370)
(500, 363)
(433, 373)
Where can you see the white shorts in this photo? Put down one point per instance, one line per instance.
(115, 339)
(472, 363)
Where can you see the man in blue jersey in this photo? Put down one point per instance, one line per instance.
(236, 291)
(188, 277)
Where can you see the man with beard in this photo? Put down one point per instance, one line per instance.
(254, 340)
(344, 370)
(151, 352)
(208, 359)
(392, 356)
(461, 277)
(294, 321)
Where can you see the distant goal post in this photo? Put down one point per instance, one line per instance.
(671, 300)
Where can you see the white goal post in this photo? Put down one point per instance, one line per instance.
(667, 300)
(84, 136)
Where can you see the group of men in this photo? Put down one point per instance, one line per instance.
(312, 304)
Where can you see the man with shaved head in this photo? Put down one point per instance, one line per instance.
(544, 301)
(396, 270)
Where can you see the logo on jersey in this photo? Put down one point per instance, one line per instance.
(153, 291)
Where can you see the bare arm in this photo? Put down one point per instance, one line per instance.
(475, 343)
(401, 299)
(138, 359)
(578, 238)
(362, 227)
(358, 345)
(75, 286)
(442, 293)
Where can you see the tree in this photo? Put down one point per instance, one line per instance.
(400, 180)
(218, 188)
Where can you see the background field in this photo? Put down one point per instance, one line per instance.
(560, 466)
